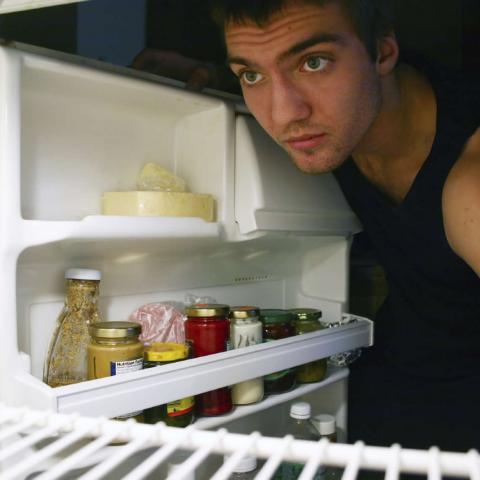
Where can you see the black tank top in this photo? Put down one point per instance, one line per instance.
(429, 325)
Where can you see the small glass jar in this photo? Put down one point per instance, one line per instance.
(178, 413)
(246, 330)
(307, 320)
(114, 349)
(207, 330)
(277, 324)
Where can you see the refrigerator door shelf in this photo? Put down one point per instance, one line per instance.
(148, 447)
(8, 6)
(135, 391)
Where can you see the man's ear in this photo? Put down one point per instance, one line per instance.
(387, 53)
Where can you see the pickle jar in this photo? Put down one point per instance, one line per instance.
(246, 330)
(178, 413)
(307, 320)
(277, 324)
(207, 330)
(115, 349)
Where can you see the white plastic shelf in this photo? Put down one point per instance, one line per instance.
(135, 391)
(21, 429)
(8, 6)
(334, 374)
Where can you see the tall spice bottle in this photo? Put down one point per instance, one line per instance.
(66, 360)
(246, 330)
(207, 330)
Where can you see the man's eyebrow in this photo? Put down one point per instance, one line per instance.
(295, 49)
(312, 41)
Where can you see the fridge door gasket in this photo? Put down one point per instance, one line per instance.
(23, 428)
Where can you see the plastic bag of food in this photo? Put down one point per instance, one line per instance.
(161, 322)
(155, 178)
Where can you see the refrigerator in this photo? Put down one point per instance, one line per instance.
(72, 129)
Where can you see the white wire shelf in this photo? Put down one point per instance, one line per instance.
(20, 429)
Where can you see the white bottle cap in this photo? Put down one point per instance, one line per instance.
(325, 424)
(300, 410)
(246, 464)
(83, 274)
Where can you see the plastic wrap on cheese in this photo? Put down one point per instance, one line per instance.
(155, 178)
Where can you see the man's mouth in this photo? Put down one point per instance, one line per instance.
(305, 142)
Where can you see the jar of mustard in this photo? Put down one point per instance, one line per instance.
(178, 413)
(114, 349)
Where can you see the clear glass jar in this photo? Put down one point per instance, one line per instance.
(66, 360)
(307, 320)
(277, 324)
(178, 413)
(207, 330)
(246, 330)
(114, 349)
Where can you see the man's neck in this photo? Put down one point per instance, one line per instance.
(401, 137)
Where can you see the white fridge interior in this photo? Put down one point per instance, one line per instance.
(71, 129)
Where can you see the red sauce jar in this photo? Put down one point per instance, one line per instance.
(207, 330)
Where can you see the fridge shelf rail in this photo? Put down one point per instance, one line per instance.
(123, 394)
(20, 429)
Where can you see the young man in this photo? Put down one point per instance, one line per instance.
(322, 77)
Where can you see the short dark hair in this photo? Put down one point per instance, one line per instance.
(372, 19)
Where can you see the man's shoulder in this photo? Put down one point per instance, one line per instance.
(461, 204)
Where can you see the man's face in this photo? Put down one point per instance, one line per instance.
(308, 80)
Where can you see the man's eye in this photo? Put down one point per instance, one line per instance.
(250, 78)
(315, 64)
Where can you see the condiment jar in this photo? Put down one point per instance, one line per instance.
(307, 320)
(207, 330)
(246, 330)
(277, 324)
(114, 349)
(178, 413)
(66, 360)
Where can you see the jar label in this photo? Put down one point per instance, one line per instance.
(180, 407)
(126, 366)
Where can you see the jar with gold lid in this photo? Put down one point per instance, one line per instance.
(207, 330)
(307, 320)
(246, 330)
(115, 349)
(178, 413)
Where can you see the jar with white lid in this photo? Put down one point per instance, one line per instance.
(246, 330)
(66, 360)
(246, 468)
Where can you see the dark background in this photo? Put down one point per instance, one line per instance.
(446, 31)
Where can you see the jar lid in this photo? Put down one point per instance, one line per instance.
(246, 464)
(207, 310)
(272, 315)
(166, 352)
(305, 313)
(244, 312)
(300, 410)
(324, 423)
(83, 274)
(115, 329)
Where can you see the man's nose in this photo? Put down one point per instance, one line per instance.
(289, 103)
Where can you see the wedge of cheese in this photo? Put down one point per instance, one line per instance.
(169, 204)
